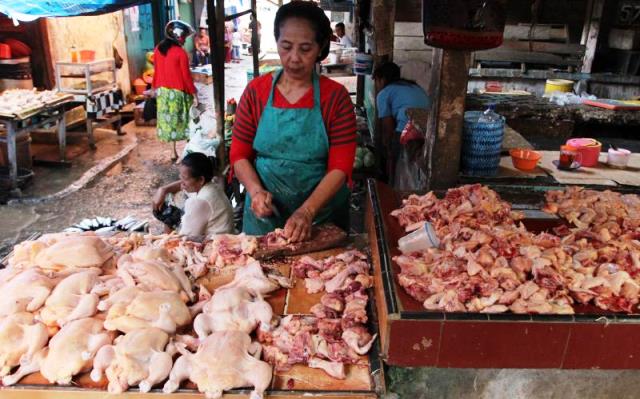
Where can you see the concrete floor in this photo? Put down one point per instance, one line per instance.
(126, 189)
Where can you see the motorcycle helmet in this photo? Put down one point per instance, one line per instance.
(178, 30)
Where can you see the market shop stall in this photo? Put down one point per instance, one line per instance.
(93, 85)
(23, 111)
(172, 302)
(551, 304)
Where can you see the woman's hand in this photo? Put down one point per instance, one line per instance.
(158, 199)
(298, 227)
(261, 204)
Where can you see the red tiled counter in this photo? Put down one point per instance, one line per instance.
(412, 336)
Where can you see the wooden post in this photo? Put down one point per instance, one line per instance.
(215, 13)
(443, 144)
(360, 42)
(255, 45)
(592, 35)
(384, 19)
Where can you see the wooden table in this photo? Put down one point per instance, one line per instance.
(15, 127)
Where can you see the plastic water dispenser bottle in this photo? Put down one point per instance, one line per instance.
(489, 115)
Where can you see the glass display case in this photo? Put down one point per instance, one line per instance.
(86, 78)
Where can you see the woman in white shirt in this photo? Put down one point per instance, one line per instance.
(207, 210)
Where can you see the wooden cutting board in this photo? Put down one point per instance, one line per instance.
(322, 237)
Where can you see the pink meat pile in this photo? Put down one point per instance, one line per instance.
(496, 266)
(336, 334)
(471, 206)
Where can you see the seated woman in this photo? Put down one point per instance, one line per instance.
(207, 210)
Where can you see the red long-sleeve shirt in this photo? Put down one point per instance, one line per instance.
(337, 113)
(172, 70)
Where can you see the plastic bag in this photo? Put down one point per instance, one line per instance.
(410, 133)
(408, 175)
(203, 136)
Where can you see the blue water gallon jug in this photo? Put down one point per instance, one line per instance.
(481, 144)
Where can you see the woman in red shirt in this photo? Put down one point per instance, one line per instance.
(174, 86)
(294, 137)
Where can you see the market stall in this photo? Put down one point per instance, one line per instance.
(93, 85)
(23, 111)
(456, 306)
(169, 301)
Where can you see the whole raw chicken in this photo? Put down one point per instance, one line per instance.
(137, 358)
(71, 299)
(233, 309)
(21, 337)
(135, 309)
(74, 251)
(252, 278)
(27, 291)
(223, 361)
(70, 351)
(153, 274)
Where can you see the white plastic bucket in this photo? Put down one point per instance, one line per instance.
(363, 64)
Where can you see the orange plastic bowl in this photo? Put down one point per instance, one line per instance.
(525, 160)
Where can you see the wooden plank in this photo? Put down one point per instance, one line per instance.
(592, 37)
(71, 393)
(384, 324)
(544, 47)
(539, 32)
(524, 56)
(303, 378)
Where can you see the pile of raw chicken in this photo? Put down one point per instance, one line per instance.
(16, 100)
(128, 308)
(488, 262)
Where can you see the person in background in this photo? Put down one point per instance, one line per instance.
(228, 39)
(201, 50)
(343, 39)
(395, 96)
(207, 210)
(173, 84)
(294, 138)
(236, 43)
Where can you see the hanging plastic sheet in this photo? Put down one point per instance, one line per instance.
(29, 10)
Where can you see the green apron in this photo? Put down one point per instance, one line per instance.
(292, 149)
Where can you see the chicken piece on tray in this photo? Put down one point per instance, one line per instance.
(319, 343)
(72, 299)
(224, 360)
(469, 205)
(230, 250)
(141, 357)
(70, 352)
(21, 337)
(132, 308)
(335, 273)
(26, 291)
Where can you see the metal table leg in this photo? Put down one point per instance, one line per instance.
(12, 132)
(92, 140)
(62, 135)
